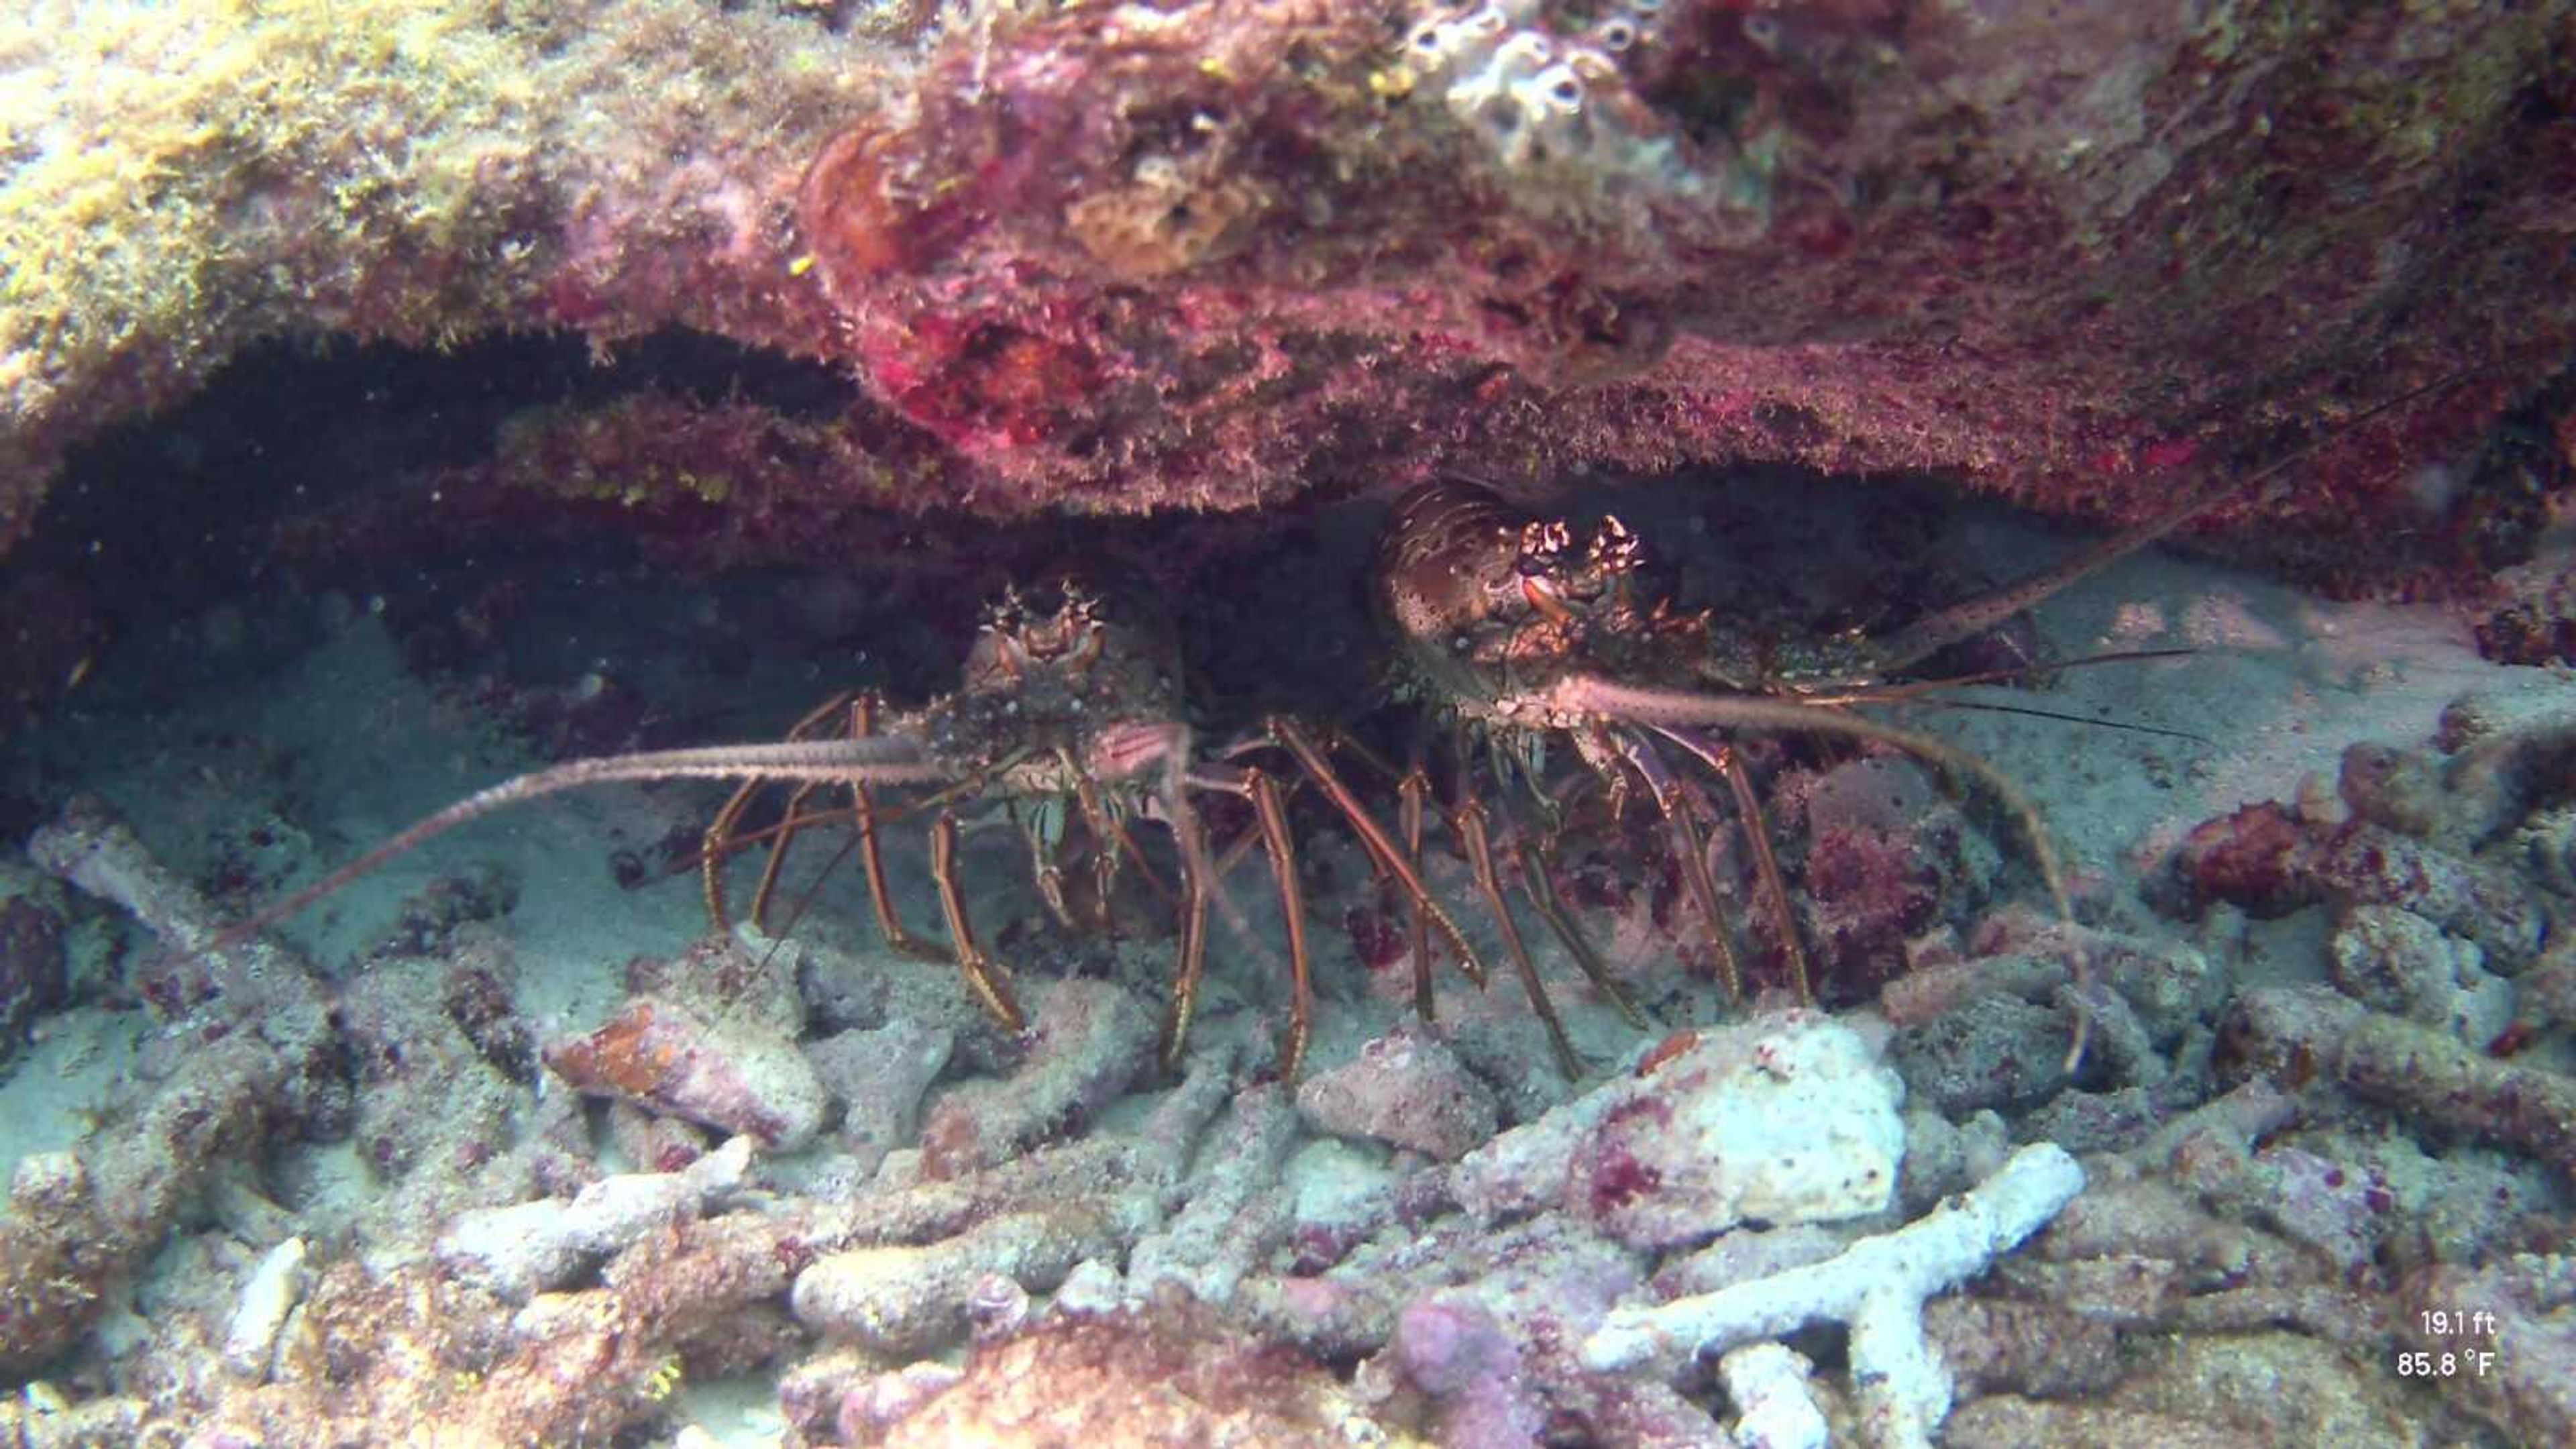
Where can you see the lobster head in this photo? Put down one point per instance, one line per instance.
(1560, 582)
(1018, 640)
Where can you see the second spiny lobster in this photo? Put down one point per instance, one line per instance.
(1522, 637)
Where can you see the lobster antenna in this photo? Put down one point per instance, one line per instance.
(1902, 691)
(878, 760)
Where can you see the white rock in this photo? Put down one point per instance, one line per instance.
(1776, 1410)
(1788, 1118)
(275, 1286)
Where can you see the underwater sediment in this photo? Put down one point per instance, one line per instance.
(1686, 945)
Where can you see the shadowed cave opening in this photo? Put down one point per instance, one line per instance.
(166, 513)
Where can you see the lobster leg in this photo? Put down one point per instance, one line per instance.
(1106, 833)
(1203, 883)
(1690, 851)
(1542, 893)
(1412, 790)
(863, 721)
(774, 859)
(1272, 811)
(1722, 758)
(983, 978)
(1121, 754)
(1043, 830)
(1196, 888)
(1217, 866)
(1193, 963)
(1543, 896)
(1603, 698)
(1372, 835)
(1469, 821)
(716, 843)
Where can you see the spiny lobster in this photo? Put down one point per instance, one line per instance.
(1506, 629)
(1065, 713)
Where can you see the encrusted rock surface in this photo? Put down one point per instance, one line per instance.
(518, 1250)
(1202, 255)
(1159, 1380)
(728, 1072)
(1406, 1090)
(1089, 1040)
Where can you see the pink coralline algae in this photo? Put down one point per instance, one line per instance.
(1454, 1353)
(1634, 238)
(1887, 859)
(2265, 859)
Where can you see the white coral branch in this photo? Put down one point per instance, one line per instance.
(1877, 1287)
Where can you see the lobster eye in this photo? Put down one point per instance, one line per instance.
(1543, 545)
(1614, 549)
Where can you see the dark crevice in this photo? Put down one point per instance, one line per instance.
(162, 519)
(163, 514)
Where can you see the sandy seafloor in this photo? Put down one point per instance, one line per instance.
(326, 746)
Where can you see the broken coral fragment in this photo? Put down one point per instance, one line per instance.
(1878, 1287)
(519, 1251)
(1090, 1040)
(267, 1297)
(730, 1074)
(1154, 1378)
(905, 1299)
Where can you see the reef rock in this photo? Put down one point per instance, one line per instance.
(1144, 257)
(1407, 1090)
(1788, 1118)
(729, 1073)
(1158, 1381)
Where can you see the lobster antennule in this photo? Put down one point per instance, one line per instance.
(876, 761)
(1933, 633)
(1592, 695)
(1930, 635)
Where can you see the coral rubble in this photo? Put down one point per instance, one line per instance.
(1786, 1119)
(1878, 1287)
(412, 1193)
